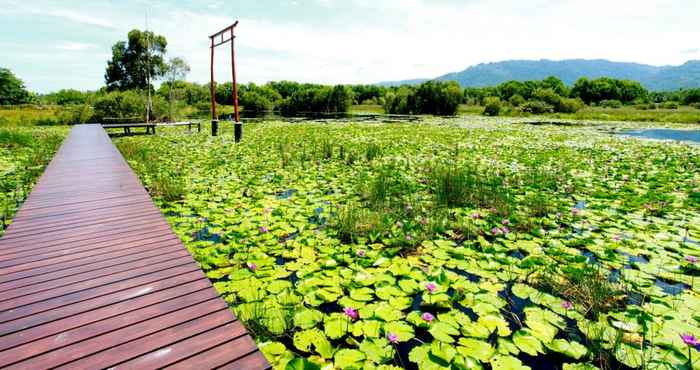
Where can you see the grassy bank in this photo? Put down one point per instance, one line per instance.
(24, 152)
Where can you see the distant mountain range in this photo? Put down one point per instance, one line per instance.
(664, 78)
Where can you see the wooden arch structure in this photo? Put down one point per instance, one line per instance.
(220, 38)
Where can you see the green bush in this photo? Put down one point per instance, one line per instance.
(695, 105)
(537, 107)
(398, 102)
(669, 105)
(128, 105)
(611, 103)
(254, 102)
(567, 105)
(516, 100)
(492, 106)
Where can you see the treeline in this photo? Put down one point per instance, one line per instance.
(552, 95)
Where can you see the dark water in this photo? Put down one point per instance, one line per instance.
(666, 134)
(311, 116)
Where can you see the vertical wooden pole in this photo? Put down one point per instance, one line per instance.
(214, 117)
(233, 75)
(211, 85)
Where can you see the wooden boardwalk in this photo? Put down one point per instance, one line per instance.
(92, 276)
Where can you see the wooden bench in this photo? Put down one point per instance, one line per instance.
(150, 127)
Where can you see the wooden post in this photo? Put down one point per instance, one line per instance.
(212, 88)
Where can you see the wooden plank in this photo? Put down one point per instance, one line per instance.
(91, 275)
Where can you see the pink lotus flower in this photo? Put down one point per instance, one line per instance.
(361, 253)
(506, 222)
(252, 266)
(617, 238)
(264, 229)
(575, 211)
(505, 230)
(495, 231)
(690, 340)
(430, 286)
(567, 305)
(475, 216)
(393, 338)
(691, 259)
(351, 313)
(427, 316)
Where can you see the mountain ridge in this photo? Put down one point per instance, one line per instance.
(656, 78)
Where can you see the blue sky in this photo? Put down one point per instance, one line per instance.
(65, 44)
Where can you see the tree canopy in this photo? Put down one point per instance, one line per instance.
(133, 60)
(12, 90)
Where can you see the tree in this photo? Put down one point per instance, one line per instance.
(134, 60)
(176, 70)
(12, 90)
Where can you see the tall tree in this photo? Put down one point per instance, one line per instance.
(135, 59)
(12, 90)
(177, 69)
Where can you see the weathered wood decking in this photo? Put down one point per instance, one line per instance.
(92, 276)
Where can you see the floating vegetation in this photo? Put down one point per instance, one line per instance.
(463, 243)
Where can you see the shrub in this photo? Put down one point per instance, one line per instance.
(536, 107)
(567, 105)
(695, 105)
(432, 97)
(492, 106)
(669, 105)
(128, 104)
(516, 100)
(254, 102)
(612, 103)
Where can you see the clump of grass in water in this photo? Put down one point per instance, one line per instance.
(347, 223)
(327, 149)
(467, 185)
(372, 151)
(587, 288)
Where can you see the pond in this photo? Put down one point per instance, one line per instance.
(666, 134)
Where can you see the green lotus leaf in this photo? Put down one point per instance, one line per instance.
(305, 339)
(276, 353)
(629, 355)
(409, 286)
(507, 347)
(579, 367)
(301, 364)
(443, 351)
(367, 328)
(478, 349)
(307, 318)
(436, 299)
(278, 285)
(388, 292)
(527, 342)
(422, 356)
(443, 332)
(377, 350)
(493, 323)
(507, 363)
(349, 359)
(387, 312)
(572, 349)
(362, 294)
(336, 326)
(401, 329)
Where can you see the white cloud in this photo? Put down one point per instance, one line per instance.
(82, 18)
(365, 41)
(75, 46)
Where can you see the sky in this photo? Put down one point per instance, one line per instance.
(54, 44)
